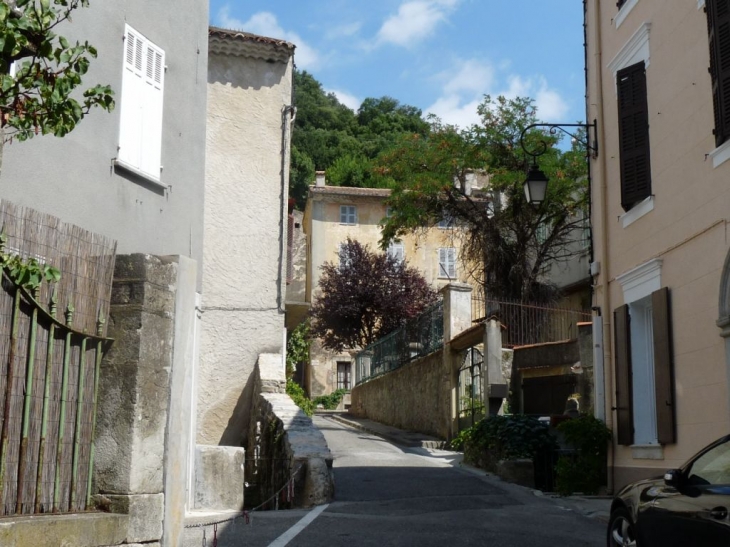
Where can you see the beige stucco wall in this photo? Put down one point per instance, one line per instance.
(687, 228)
(325, 233)
(245, 198)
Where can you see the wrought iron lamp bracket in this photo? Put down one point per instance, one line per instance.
(591, 144)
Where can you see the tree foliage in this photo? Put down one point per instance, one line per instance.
(40, 97)
(366, 296)
(507, 241)
(330, 136)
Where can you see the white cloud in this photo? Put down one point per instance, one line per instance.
(464, 87)
(343, 31)
(350, 101)
(551, 107)
(415, 21)
(265, 23)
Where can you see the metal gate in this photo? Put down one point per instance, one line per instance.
(471, 399)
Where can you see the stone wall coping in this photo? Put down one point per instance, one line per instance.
(54, 530)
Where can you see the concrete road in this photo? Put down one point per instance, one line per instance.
(386, 495)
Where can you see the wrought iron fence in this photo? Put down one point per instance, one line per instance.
(417, 338)
(51, 344)
(528, 323)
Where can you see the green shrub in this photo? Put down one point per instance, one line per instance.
(331, 401)
(506, 438)
(300, 398)
(583, 472)
(463, 437)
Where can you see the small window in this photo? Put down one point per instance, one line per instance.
(348, 214)
(342, 256)
(446, 222)
(447, 263)
(343, 374)
(397, 251)
(140, 129)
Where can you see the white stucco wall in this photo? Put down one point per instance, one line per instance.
(245, 195)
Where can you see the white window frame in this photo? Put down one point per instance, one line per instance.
(637, 285)
(141, 107)
(339, 255)
(447, 263)
(348, 215)
(397, 250)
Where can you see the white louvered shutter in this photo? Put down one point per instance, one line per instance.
(140, 133)
(151, 159)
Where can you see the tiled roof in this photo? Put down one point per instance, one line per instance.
(245, 44)
(349, 191)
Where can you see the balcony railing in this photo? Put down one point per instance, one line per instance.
(528, 323)
(417, 338)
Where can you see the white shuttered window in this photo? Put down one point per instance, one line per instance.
(140, 133)
(447, 262)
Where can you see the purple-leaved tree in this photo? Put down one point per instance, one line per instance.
(366, 296)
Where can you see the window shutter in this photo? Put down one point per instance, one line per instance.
(633, 135)
(130, 131)
(452, 263)
(140, 133)
(624, 415)
(663, 366)
(718, 23)
(151, 158)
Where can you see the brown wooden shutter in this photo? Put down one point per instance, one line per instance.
(633, 124)
(624, 414)
(663, 369)
(718, 24)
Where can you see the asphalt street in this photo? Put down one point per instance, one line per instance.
(386, 495)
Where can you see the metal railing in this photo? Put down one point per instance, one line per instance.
(528, 323)
(419, 337)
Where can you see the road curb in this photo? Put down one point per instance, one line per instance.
(395, 439)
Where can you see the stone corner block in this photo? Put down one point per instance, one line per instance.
(219, 478)
(271, 373)
(146, 512)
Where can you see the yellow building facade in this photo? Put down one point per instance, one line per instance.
(660, 213)
(335, 213)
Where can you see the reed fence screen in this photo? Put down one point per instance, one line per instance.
(51, 344)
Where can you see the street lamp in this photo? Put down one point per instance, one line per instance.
(537, 181)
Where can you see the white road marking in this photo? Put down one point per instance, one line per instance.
(292, 532)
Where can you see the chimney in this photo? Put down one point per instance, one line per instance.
(470, 178)
(319, 179)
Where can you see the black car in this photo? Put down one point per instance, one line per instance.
(688, 507)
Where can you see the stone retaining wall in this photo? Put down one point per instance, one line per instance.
(283, 440)
(416, 397)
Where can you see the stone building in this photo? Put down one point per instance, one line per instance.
(334, 213)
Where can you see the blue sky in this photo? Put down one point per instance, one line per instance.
(441, 56)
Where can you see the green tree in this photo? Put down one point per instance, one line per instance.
(40, 97)
(508, 241)
(330, 136)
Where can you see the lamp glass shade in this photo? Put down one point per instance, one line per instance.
(536, 185)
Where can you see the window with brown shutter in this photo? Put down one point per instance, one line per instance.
(663, 367)
(624, 416)
(633, 135)
(661, 329)
(718, 24)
